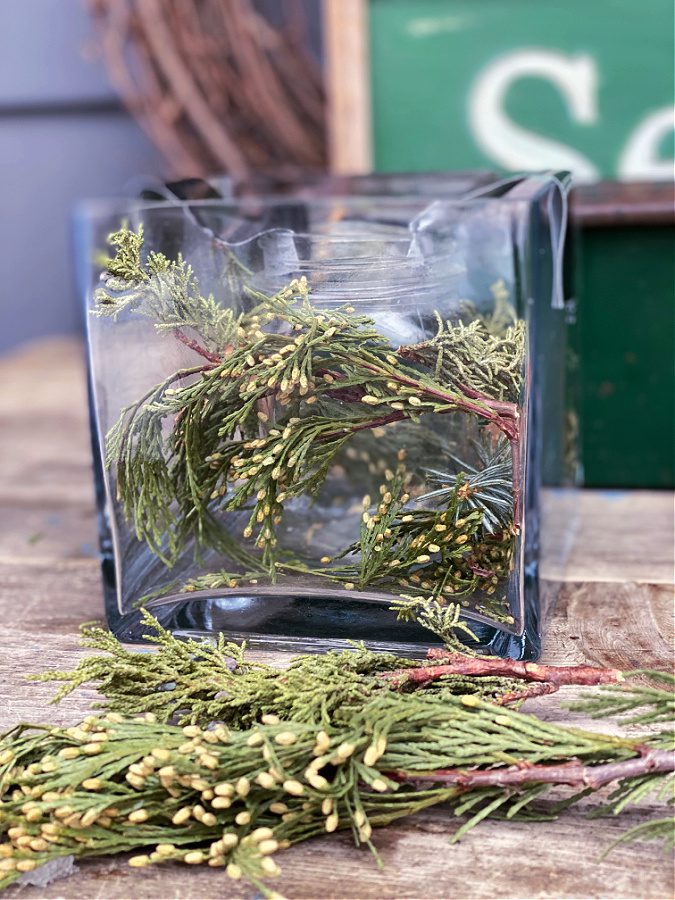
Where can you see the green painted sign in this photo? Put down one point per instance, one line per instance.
(584, 85)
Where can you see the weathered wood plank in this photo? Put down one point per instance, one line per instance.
(44, 443)
(50, 596)
(502, 859)
(47, 530)
(608, 536)
(624, 625)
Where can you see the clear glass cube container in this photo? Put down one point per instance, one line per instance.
(312, 416)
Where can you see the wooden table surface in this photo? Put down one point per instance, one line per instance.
(608, 563)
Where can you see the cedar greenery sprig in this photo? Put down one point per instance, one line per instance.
(233, 798)
(477, 362)
(165, 291)
(435, 552)
(199, 682)
(645, 705)
(413, 547)
(438, 551)
(283, 390)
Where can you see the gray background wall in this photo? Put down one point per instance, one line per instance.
(63, 137)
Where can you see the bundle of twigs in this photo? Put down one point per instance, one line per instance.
(214, 83)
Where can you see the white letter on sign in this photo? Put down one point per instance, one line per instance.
(514, 147)
(640, 156)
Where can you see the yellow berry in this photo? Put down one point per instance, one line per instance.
(242, 787)
(138, 815)
(268, 846)
(229, 841)
(269, 867)
(291, 786)
(182, 815)
(265, 780)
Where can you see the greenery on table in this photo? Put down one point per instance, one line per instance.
(267, 758)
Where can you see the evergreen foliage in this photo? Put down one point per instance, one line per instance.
(271, 758)
(283, 391)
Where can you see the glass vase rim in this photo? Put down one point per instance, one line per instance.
(98, 207)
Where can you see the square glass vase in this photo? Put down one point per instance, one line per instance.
(316, 421)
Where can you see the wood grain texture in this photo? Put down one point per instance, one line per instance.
(607, 535)
(498, 860)
(347, 80)
(608, 569)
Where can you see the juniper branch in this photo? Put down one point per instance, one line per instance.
(198, 682)
(235, 798)
(573, 773)
(267, 368)
(166, 292)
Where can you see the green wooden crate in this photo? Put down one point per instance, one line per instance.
(623, 242)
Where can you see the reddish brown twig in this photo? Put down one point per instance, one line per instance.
(196, 346)
(372, 423)
(573, 773)
(503, 414)
(533, 689)
(477, 666)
